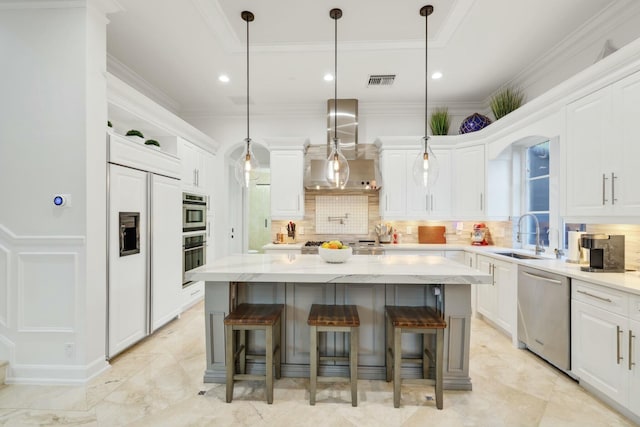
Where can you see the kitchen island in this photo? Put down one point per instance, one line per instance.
(368, 281)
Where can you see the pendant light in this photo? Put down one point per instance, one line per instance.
(247, 164)
(425, 166)
(337, 169)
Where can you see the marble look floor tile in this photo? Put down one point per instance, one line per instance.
(157, 383)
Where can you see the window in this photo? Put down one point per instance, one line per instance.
(536, 188)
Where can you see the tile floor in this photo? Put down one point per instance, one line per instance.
(157, 383)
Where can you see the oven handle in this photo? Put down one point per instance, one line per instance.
(191, 248)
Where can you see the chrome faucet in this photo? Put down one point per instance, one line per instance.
(539, 249)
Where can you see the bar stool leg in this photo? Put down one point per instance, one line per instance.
(353, 360)
(242, 356)
(313, 364)
(388, 347)
(278, 350)
(397, 365)
(439, 365)
(269, 363)
(228, 330)
(425, 356)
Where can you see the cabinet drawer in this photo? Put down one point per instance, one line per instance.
(600, 296)
(634, 307)
(192, 294)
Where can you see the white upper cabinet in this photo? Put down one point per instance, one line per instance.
(469, 182)
(602, 172)
(193, 162)
(401, 198)
(287, 187)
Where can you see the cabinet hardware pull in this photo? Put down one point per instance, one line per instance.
(619, 332)
(604, 183)
(613, 188)
(194, 292)
(631, 337)
(194, 178)
(546, 279)
(481, 202)
(594, 296)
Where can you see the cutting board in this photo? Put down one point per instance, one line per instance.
(431, 234)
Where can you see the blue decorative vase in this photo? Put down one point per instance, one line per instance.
(474, 123)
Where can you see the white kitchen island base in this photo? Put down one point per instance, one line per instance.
(370, 282)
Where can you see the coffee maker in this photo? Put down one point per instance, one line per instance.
(606, 252)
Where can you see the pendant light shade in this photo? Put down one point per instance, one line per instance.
(425, 166)
(247, 165)
(337, 167)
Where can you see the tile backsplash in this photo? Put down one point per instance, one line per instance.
(342, 215)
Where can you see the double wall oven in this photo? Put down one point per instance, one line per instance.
(194, 239)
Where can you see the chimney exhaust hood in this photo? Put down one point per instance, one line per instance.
(363, 158)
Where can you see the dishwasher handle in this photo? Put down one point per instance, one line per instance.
(546, 279)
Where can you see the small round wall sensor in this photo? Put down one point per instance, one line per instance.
(59, 200)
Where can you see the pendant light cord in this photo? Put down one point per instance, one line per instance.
(335, 83)
(426, 76)
(248, 139)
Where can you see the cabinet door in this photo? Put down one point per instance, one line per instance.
(188, 154)
(370, 300)
(287, 191)
(623, 149)
(487, 294)
(469, 182)
(416, 197)
(597, 339)
(439, 201)
(588, 133)
(128, 318)
(393, 200)
(633, 365)
(506, 296)
(166, 250)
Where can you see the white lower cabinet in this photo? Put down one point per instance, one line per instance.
(604, 346)
(192, 294)
(498, 302)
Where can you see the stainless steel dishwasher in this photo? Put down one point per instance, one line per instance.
(544, 312)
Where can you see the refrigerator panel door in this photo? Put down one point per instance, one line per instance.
(127, 294)
(166, 250)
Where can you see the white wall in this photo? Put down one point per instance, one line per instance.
(51, 142)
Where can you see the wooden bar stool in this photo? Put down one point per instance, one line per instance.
(251, 317)
(417, 320)
(333, 318)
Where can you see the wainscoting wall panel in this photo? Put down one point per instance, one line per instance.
(47, 291)
(4, 286)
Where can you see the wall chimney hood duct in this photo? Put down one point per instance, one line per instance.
(363, 158)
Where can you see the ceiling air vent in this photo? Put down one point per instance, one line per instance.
(381, 79)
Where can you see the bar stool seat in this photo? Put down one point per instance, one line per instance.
(251, 317)
(420, 320)
(333, 318)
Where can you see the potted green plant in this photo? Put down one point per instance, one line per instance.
(152, 143)
(506, 100)
(440, 121)
(134, 132)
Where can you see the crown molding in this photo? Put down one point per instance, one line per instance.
(582, 38)
(123, 72)
(139, 106)
(42, 4)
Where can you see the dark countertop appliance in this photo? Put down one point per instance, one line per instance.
(605, 252)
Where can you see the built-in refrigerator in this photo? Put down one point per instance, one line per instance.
(145, 242)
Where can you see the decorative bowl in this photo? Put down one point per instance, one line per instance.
(335, 256)
(474, 123)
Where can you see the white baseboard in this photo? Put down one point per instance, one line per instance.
(56, 374)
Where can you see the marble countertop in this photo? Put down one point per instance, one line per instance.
(283, 246)
(406, 269)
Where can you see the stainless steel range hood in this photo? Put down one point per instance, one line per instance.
(363, 158)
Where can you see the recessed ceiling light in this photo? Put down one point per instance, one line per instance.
(224, 78)
(328, 77)
(437, 75)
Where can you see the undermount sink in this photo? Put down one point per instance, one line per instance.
(517, 255)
